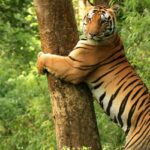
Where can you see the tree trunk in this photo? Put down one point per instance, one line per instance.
(72, 106)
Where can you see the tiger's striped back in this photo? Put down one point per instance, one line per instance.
(114, 82)
(123, 96)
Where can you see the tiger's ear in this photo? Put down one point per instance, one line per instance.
(115, 8)
(88, 3)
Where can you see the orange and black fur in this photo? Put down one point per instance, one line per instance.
(99, 60)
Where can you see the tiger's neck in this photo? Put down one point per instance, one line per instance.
(112, 41)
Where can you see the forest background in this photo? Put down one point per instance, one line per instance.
(25, 108)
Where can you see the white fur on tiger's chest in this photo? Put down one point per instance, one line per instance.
(97, 93)
(114, 109)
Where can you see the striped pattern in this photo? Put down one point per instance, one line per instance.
(125, 98)
(117, 87)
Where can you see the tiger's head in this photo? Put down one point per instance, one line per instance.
(100, 22)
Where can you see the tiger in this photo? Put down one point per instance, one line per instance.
(99, 60)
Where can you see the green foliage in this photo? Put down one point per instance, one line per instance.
(137, 42)
(25, 119)
(112, 137)
(25, 108)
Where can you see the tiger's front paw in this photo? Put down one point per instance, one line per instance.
(41, 63)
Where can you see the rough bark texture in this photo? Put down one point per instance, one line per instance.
(73, 112)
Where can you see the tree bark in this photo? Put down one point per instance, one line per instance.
(72, 106)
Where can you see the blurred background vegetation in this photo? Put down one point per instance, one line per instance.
(25, 109)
